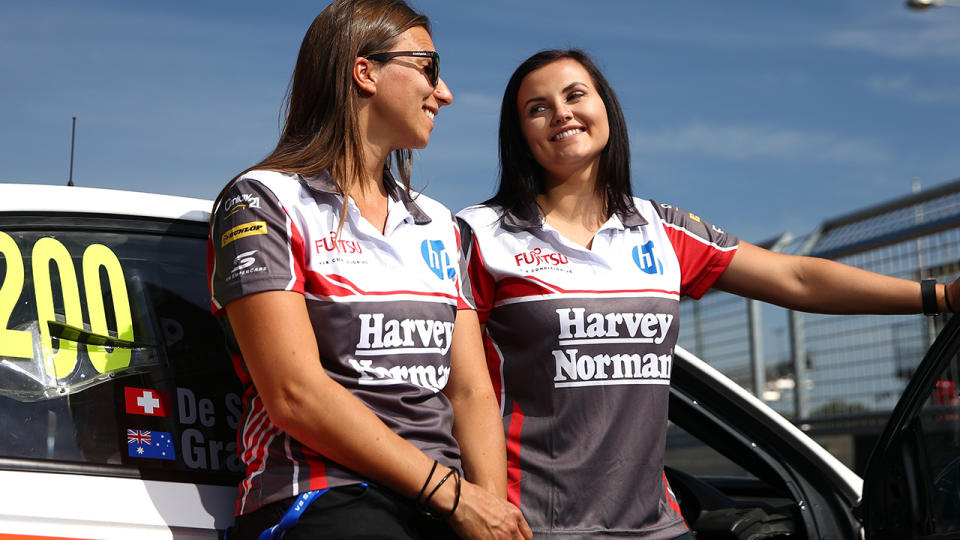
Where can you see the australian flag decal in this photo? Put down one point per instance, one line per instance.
(150, 444)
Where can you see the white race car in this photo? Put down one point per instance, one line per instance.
(119, 404)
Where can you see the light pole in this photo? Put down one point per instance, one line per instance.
(924, 4)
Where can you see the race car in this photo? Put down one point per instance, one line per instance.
(119, 404)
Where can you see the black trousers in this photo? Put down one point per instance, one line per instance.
(355, 511)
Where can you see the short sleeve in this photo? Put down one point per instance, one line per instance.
(478, 283)
(254, 245)
(703, 250)
(464, 291)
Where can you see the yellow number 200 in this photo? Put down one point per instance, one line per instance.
(47, 251)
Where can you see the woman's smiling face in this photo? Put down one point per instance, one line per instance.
(563, 118)
(407, 103)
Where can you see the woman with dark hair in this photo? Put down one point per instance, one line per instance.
(353, 381)
(577, 285)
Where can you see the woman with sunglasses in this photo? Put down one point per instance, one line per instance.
(578, 284)
(352, 379)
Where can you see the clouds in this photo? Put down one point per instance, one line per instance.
(906, 88)
(901, 35)
(757, 142)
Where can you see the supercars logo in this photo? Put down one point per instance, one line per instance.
(240, 231)
(243, 261)
(437, 259)
(646, 260)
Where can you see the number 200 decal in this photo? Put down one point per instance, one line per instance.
(19, 343)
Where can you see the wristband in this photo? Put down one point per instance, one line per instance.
(425, 510)
(928, 294)
(424, 488)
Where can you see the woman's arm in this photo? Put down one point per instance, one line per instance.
(280, 351)
(477, 425)
(820, 285)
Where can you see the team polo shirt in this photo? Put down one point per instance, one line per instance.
(382, 307)
(579, 343)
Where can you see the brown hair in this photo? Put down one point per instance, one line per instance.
(321, 132)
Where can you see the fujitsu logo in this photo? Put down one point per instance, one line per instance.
(577, 329)
(537, 257)
(340, 246)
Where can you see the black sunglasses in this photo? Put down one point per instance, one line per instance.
(432, 71)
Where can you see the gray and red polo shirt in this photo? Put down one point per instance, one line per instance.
(382, 306)
(579, 343)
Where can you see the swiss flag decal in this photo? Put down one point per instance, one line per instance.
(146, 401)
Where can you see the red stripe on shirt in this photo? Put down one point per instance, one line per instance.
(337, 285)
(671, 500)
(298, 251)
(701, 263)
(513, 455)
(461, 301)
(482, 283)
(520, 287)
(211, 260)
(494, 362)
(318, 475)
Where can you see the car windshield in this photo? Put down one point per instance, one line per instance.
(108, 353)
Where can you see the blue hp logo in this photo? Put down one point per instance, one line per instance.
(436, 257)
(646, 260)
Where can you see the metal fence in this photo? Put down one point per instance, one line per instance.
(830, 371)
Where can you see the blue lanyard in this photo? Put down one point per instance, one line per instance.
(289, 519)
(292, 515)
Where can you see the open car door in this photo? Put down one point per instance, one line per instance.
(912, 481)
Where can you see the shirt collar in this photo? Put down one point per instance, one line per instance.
(530, 218)
(324, 183)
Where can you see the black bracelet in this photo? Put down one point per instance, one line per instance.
(946, 300)
(425, 484)
(424, 509)
(456, 500)
(928, 294)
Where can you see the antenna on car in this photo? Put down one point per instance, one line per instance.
(73, 135)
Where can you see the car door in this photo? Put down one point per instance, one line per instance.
(912, 480)
(118, 401)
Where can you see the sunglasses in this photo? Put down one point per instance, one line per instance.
(432, 71)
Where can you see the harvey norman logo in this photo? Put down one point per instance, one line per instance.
(388, 337)
(578, 328)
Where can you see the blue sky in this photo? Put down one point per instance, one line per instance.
(762, 117)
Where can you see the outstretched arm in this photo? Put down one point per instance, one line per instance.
(823, 286)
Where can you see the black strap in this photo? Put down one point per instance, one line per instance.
(928, 293)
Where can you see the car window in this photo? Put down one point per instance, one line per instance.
(691, 455)
(940, 429)
(108, 353)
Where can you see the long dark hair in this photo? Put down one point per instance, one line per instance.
(321, 131)
(522, 178)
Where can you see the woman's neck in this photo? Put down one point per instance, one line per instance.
(369, 193)
(573, 207)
